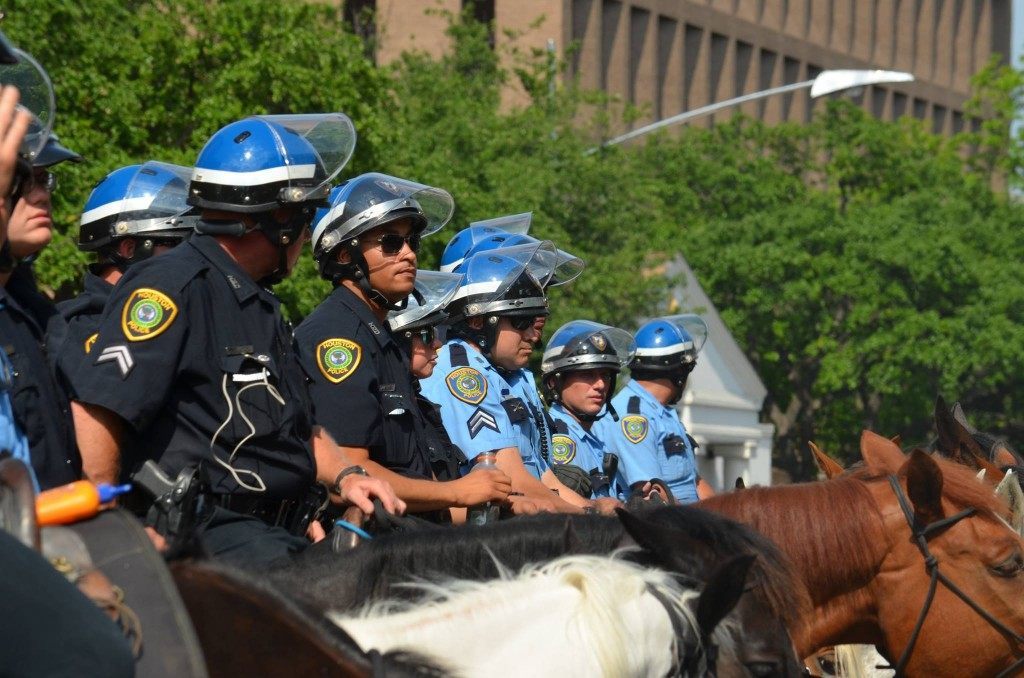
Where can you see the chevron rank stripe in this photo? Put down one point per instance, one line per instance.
(480, 420)
(118, 353)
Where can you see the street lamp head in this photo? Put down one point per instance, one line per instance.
(828, 82)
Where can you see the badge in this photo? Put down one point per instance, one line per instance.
(146, 314)
(599, 342)
(634, 426)
(89, 342)
(338, 359)
(467, 384)
(563, 449)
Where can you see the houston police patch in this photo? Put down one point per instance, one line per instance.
(634, 426)
(563, 449)
(467, 384)
(146, 314)
(338, 358)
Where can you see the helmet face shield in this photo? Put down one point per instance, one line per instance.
(670, 343)
(518, 224)
(333, 138)
(693, 325)
(435, 290)
(37, 98)
(370, 200)
(565, 267)
(586, 345)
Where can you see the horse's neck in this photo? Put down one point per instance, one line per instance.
(536, 631)
(836, 559)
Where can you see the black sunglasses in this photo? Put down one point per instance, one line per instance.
(426, 335)
(392, 243)
(522, 322)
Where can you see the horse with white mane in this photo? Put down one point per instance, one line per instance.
(575, 616)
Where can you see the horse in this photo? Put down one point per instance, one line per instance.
(577, 615)
(249, 628)
(858, 542)
(687, 542)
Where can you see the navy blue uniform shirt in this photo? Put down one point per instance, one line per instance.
(194, 355)
(29, 323)
(82, 315)
(361, 385)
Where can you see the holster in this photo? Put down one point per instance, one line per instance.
(177, 506)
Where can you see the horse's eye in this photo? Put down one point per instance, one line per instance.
(827, 665)
(763, 669)
(1010, 567)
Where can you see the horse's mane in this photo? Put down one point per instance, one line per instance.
(772, 575)
(838, 558)
(605, 586)
(400, 664)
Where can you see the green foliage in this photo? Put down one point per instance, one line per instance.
(863, 266)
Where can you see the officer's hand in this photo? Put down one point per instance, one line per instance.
(315, 532)
(361, 490)
(481, 485)
(522, 506)
(13, 125)
(607, 505)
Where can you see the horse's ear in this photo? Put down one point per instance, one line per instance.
(897, 440)
(924, 487)
(956, 441)
(1003, 456)
(658, 540)
(722, 590)
(826, 464)
(880, 453)
(958, 415)
(740, 484)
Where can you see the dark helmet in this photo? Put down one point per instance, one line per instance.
(145, 201)
(54, 153)
(584, 345)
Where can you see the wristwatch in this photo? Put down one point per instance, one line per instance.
(335, 487)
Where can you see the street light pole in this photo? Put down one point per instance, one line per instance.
(826, 83)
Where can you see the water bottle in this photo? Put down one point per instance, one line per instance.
(489, 511)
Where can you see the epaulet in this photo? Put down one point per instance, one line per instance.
(558, 426)
(458, 355)
(693, 441)
(633, 407)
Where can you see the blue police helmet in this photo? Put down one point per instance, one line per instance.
(587, 345)
(265, 162)
(147, 200)
(507, 281)
(567, 267)
(669, 343)
(498, 228)
(370, 200)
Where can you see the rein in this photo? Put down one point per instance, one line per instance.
(688, 657)
(931, 563)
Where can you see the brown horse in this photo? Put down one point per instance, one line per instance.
(865, 559)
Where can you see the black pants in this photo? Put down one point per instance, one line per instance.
(47, 627)
(247, 542)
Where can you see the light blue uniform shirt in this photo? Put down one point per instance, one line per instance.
(573, 444)
(480, 409)
(12, 438)
(651, 443)
(524, 386)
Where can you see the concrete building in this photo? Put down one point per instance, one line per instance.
(668, 56)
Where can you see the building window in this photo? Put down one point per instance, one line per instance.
(359, 16)
(482, 11)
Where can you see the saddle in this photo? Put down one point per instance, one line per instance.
(112, 561)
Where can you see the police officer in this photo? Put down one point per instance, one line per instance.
(480, 370)
(133, 213)
(194, 358)
(649, 438)
(361, 385)
(578, 374)
(32, 329)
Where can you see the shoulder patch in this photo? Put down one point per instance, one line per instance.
(338, 358)
(634, 427)
(90, 341)
(563, 449)
(467, 384)
(146, 314)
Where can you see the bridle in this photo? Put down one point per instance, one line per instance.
(920, 534)
(696, 658)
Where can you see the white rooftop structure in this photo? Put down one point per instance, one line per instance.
(722, 403)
